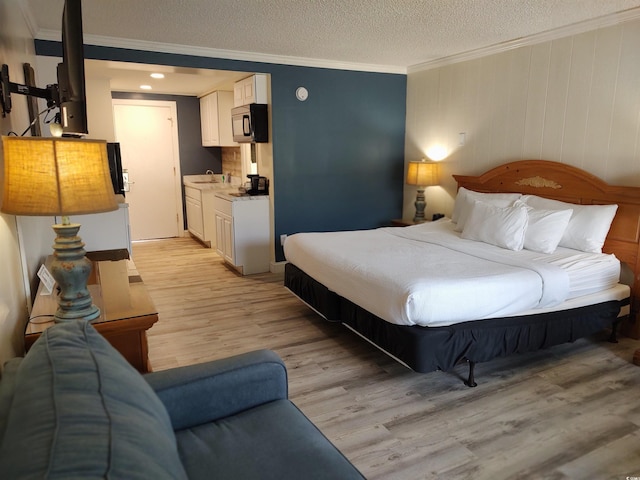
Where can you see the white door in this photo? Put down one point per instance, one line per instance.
(148, 136)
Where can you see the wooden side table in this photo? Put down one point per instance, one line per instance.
(126, 310)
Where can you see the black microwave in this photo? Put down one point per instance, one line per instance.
(250, 123)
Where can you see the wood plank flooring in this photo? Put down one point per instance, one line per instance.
(570, 412)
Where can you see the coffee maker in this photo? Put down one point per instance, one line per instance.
(258, 185)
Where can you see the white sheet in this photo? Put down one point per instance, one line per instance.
(427, 275)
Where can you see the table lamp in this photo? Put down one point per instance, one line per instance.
(423, 174)
(60, 176)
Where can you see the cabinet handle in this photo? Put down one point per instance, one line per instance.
(246, 126)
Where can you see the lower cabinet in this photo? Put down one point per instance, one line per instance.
(194, 217)
(200, 214)
(242, 233)
(104, 231)
(195, 213)
(224, 236)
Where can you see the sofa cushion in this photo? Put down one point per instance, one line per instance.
(272, 441)
(7, 388)
(78, 409)
(208, 391)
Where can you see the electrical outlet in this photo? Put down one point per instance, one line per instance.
(283, 237)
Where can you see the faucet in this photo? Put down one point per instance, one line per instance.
(210, 172)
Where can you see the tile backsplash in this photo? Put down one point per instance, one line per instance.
(231, 163)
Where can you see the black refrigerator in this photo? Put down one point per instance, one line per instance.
(115, 167)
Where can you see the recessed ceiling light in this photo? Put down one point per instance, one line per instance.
(145, 87)
(157, 75)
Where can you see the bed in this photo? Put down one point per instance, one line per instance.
(513, 270)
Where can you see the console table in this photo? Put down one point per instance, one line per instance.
(126, 309)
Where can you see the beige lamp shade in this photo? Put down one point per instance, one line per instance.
(423, 174)
(56, 176)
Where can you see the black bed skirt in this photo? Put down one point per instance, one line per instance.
(425, 349)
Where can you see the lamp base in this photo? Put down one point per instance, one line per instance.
(71, 269)
(420, 204)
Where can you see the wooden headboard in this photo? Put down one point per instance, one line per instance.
(570, 184)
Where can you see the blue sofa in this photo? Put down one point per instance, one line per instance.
(74, 408)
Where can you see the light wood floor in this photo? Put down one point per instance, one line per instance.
(571, 412)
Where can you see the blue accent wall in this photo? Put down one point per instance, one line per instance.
(338, 157)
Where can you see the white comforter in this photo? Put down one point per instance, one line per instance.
(427, 275)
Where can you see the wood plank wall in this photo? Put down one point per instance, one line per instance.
(574, 100)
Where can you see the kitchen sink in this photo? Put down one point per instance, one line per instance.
(205, 181)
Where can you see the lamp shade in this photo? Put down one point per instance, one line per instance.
(56, 176)
(422, 173)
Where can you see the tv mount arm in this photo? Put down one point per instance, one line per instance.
(51, 93)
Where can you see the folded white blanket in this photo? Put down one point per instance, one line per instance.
(555, 281)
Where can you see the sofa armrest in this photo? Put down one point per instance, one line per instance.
(205, 392)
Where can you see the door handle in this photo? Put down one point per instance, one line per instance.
(125, 181)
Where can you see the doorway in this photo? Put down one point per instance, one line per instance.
(148, 135)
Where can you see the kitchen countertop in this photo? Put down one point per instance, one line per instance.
(203, 182)
(243, 198)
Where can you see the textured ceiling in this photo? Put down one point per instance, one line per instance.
(397, 33)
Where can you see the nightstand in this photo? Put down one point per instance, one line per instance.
(126, 310)
(399, 222)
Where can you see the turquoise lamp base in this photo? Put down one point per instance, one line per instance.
(420, 204)
(70, 268)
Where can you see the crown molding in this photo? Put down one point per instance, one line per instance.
(549, 35)
(130, 44)
(28, 17)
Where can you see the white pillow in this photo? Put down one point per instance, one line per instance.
(466, 198)
(545, 228)
(589, 224)
(500, 226)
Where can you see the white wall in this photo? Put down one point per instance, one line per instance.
(16, 47)
(574, 100)
(26, 241)
(97, 92)
(99, 109)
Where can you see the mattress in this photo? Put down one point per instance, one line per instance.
(427, 275)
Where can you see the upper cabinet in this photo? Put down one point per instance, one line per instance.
(252, 89)
(215, 119)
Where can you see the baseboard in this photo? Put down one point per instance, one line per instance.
(277, 267)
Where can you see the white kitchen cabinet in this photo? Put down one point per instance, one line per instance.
(195, 221)
(224, 240)
(215, 119)
(242, 232)
(104, 231)
(252, 89)
(200, 214)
